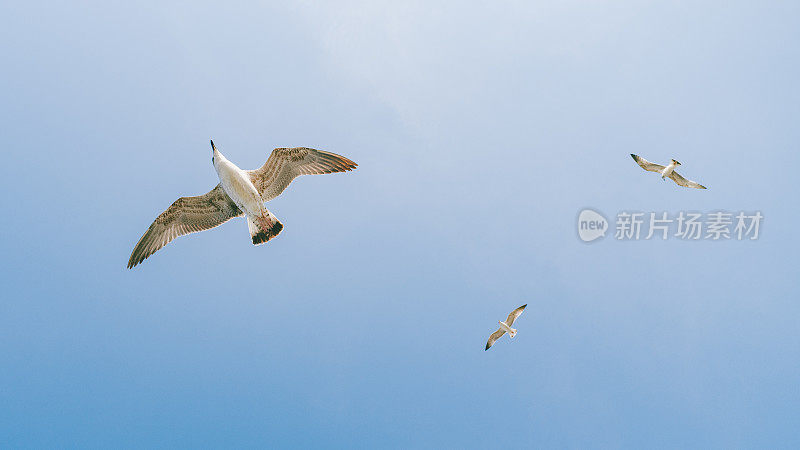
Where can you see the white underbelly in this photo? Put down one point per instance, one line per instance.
(241, 190)
(667, 171)
(506, 328)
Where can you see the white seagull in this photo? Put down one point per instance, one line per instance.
(505, 327)
(238, 192)
(668, 171)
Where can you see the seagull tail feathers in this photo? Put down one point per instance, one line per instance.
(263, 228)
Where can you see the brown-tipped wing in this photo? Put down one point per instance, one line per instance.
(514, 314)
(494, 337)
(679, 180)
(186, 215)
(286, 164)
(647, 165)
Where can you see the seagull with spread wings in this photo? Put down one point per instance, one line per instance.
(239, 192)
(505, 327)
(666, 171)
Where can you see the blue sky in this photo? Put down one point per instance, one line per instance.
(480, 129)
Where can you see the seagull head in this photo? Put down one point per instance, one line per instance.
(214, 152)
(673, 162)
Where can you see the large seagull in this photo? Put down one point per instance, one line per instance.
(666, 171)
(505, 327)
(238, 192)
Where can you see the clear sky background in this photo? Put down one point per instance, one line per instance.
(480, 129)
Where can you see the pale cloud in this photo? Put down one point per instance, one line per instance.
(428, 59)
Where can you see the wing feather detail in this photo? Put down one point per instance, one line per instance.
(286, 164)
(680, 181)
(494, 337)
(647, 165)
(514, 314)
(186, 215)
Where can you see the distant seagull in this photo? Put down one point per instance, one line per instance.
(239, 192)
(505, 327)
(668, 171)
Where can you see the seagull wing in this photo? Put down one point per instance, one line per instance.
(493, 337)
(514, 314)
(286, 164)
(677, 178)
(186, 215)
(647, 165)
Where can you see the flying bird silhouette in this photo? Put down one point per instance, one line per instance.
(668, 171)
(505, 327)
(238, 192)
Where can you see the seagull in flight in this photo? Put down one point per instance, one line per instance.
(668, 171)
(505, 327)
(239, 192)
